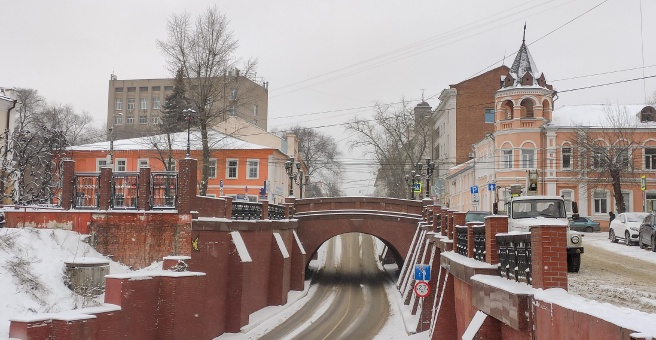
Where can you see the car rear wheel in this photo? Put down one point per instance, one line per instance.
(611, 236)
(588, 229)
(627, 239)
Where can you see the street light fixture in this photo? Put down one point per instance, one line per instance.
(430, 167)
(188, 116)
(289, 167)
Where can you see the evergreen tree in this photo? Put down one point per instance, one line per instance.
(172, 117)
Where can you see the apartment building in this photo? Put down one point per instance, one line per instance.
(134, 105)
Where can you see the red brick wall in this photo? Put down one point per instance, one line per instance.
(549, 265)
(137, 239)
(464, 309)
(77, 221)
(556, 322)
(210, 206)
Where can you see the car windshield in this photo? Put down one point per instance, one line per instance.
(538, 207)
(476, 216)
(636, 217)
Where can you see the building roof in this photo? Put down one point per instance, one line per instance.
(524, 63)
(597, 115)
(217, 141)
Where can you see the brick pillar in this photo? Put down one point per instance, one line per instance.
(143, 198)
(265, 210)
(187, 179)
(494, 225)
(549, 256)
(290, 203)
(470, 238)
(228, 207)
(458, 219)
(105, 188)
(436, 217)
(68, 178)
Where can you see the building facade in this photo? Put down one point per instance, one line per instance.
(134, 105)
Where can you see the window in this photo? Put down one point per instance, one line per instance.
(130, 104)
(143, 89)
(121, 164)
(118, 120)
(143, 163)
(255, 110)
(156, 103)
(253, 168)
(118, 104)
(130, 120)
(118, 89)
(627, 201)
(622, 157)
(166, 88)
(100, 162)
(598, 158)
(489, 115)
(600, 198)
(507, 157)
(155, 88)
(231, 168)
(528, 159)
(650, 158)
(154, 120)
(132, 89)
(143, 119)
(233, 111)
(566, 154)
(567, 196)
(143, 103)
(233, 94)
(169, 166)
(212, 168)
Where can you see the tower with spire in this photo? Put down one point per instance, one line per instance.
(525, 100)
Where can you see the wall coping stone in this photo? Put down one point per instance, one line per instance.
(152, 274)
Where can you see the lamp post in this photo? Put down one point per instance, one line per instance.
(189, 116)
(289, 167)
(111, 147)
(430, 166)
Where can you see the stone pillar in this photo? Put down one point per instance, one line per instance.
(290, 203)
(68, 183)
(549, 256)
(105, 188)
(228, 207)
(265, 210)
(494, 225)
(187, 179)
(143, 198)
(458, 219)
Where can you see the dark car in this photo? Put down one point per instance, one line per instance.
(647, 233)
(477, 216)
(584, 224)
(2, 219)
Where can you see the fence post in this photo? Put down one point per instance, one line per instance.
(494, 225)
(265, 210)
(68, 178)
(143, 199)
(549, 256)
(187, 178)
(105, 188)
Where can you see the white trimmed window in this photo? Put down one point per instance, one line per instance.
(627, 200)
(118, 120)
(507, 158)
(100, 162)
(130, 120)
(170, 166)
(143, 163)
(253, 168)
(118, 104)
(566, 158)
(143, 119)
(143, 103)
(528, 159)
(130, 104)
(155, 120)
(600, 198)
(231, 168)
(212, 168)
(121, 165)
(567, 196)
(156, 105)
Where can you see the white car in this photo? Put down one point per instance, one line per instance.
(626, 227)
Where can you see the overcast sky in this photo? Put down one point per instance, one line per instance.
(328, 61)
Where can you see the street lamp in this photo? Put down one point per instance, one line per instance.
(289, 167)
(188, 116)
(430, 166)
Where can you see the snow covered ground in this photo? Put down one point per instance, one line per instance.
(32, 268)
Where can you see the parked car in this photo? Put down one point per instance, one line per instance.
(2, 219)
(477, 216)
(584, 224)
(625, 226)
(647, 233)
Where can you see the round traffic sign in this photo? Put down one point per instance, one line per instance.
(422, 289)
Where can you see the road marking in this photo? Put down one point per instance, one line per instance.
(348, 306)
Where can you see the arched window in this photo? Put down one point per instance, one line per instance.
(508, 108)
(527, 104)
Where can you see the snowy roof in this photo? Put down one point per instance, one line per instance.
(217, 140)
(524, 63)
(596, 115)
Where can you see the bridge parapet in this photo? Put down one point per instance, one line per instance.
(380, 204)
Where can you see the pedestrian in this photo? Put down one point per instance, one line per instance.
(612, 216)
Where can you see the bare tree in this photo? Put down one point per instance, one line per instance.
(606, 153)
(204, 50)
(397, 139)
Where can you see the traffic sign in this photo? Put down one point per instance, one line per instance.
(491, 187)
(473, 189)
(422, 272)
(643, 182)
(422, 289)
(416, 187)
(475, 198)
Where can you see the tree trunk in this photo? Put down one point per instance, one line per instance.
(206, 159)
(615, 175)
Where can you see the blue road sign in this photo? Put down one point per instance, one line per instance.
(422, 272)
(473, 189)
(416, 187)
(491, 187)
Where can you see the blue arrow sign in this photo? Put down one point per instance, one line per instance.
(491, 187)
(422, 272)
(473, 189)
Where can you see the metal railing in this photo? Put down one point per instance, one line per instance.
(164, 190)
(246, 210)
(479, 242)
(87, 191)
(276, 212)
(515, 256)
(125, 190)
(461, 234)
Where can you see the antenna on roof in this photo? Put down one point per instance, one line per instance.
(422, 94)
(504, 58)
(524, 37)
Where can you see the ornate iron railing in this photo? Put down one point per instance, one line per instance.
(438, 223)
(479, 242)
(125, 190)
(246, 210)
(87, 191)
(276, 212)
(461, 247)
(164, 190)
(515, 256)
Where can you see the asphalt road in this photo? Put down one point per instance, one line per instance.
(356, 287)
